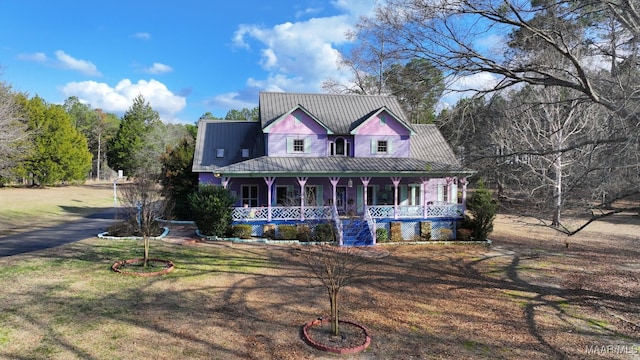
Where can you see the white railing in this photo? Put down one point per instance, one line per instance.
(435, 210)
(281, 213)
(371, 223)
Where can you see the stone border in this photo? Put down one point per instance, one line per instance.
(262, 240)
(105, 235)
(438, 242)
(335, 350)
(116, 267)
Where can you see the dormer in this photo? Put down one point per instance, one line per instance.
(296, 133)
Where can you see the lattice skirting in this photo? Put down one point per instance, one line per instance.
(441, 229)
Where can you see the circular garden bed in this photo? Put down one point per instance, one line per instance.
(136, 267)
(353, 337)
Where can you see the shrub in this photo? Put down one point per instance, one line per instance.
(483, 210)
(287, 232)
(212, 209)
(464, 234)
(445, 234)
(242, 231)
(324, 233)
(303, 233)
(382, 235)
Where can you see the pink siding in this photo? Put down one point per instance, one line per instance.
(374, 126)
(291, 125)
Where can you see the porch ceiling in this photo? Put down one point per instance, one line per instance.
(339, 167)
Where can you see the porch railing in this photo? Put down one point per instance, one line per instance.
(371, 223)
(435, 210)
(283, 213)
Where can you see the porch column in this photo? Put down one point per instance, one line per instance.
(464, 183)
(302, 181)
(269, 181)
(225, 182)
(449, 183)
(334, 183)
(365, 183)
(425, 196)
(396, 181)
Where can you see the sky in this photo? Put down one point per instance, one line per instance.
(185, 57)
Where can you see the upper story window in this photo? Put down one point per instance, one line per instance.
(298, 145)
(340, 146)
(245, 153)
(382, 146)
(219, 153)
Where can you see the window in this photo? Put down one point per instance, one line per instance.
(298, 145)
(245, 153)
(340, 146)
(382, 146)
(250, 195)
(219, 153)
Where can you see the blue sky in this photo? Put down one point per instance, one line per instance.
(185, 57)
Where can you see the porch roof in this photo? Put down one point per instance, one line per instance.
(339, 166)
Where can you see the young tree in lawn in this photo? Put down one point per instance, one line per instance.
(143, 201)
(336, 267)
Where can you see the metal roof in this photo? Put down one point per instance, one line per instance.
(230, 135)
(430, 154)
(338, 166)
(339, 112)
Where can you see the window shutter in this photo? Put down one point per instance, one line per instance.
(390, 146)
(374, 146)
(289, 145)
(307, 144)
(320, 196)
(440, 192)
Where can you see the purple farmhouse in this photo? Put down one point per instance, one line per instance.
(327, 158)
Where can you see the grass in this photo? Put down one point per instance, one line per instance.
(248, 301)
(24, 207)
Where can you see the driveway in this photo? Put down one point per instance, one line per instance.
(50, 237)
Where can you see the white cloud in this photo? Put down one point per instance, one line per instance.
(466, 87)
(298, 56)
(68, 62)
(37, 57)
(158, 68)
(119, 98)
(142, 35)
(63, 61)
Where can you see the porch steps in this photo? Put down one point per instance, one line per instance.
(356, 233)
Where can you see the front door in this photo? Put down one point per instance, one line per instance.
(341, 198)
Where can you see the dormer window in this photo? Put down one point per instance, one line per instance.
(245, 153)
(298, 145)
(382, 146)
(219, 153)
(340, 148)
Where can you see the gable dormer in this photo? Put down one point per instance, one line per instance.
(382, 134)
(296, 133)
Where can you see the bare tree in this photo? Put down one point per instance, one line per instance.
(15, 140)
(546, 151)
(336, 268)
(143, 201)
(587, 47)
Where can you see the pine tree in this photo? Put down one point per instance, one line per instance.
(129, 140)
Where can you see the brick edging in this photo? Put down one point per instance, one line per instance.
(335, 350)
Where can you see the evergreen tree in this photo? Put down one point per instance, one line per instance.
(137, 121)
(60, 152)
(178, 180)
